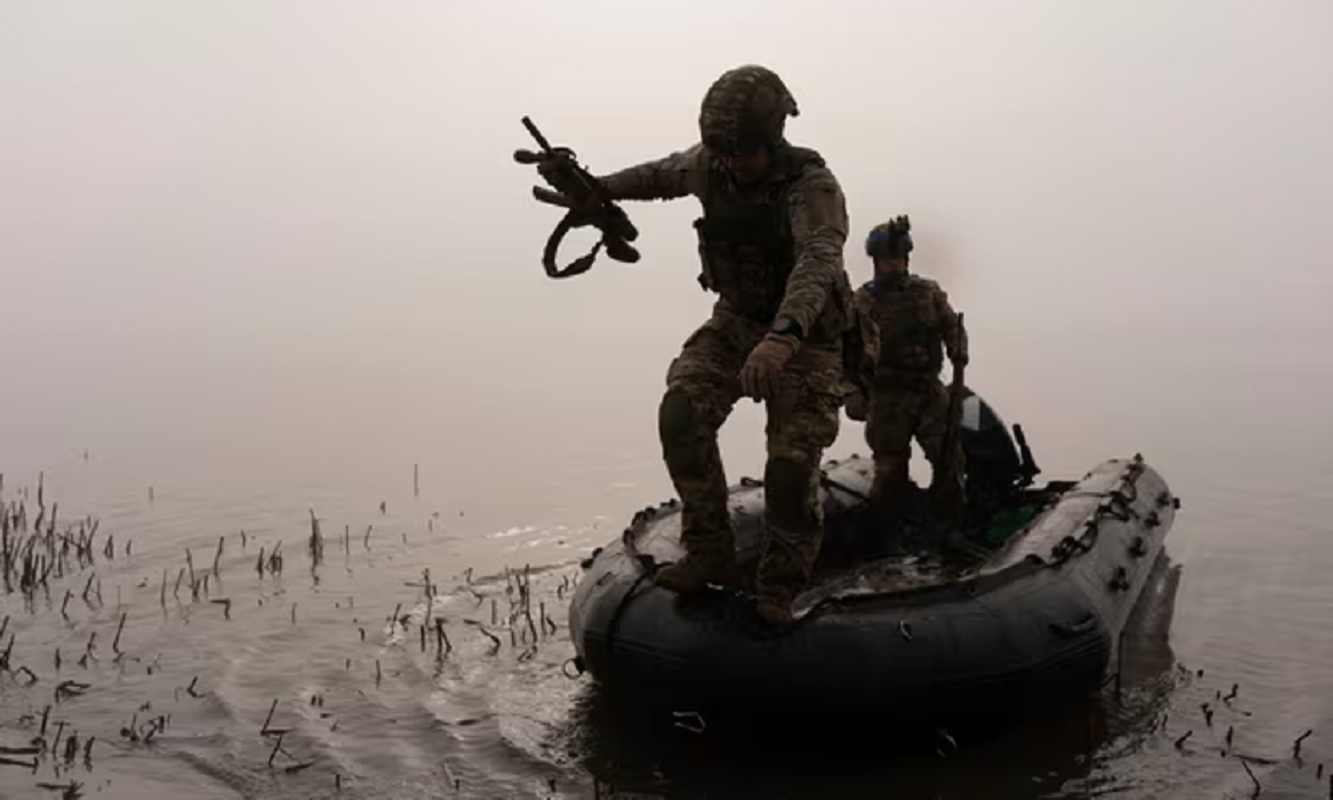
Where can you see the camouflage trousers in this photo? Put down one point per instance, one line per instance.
(702, 388)
(899, 411)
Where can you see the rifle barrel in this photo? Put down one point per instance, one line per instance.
(536, 134)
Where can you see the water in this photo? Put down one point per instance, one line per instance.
(1243, 597)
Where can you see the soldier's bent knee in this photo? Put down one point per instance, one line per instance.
(676, 420)
(684, 436)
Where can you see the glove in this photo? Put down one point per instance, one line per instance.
(759, 376)
(858, 407)
(557, 172)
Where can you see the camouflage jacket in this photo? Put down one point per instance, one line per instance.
(905, 330)
(767, 250)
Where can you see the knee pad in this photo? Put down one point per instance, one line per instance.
(685, 443)
(676, 421)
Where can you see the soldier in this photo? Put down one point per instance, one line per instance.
(906, 321)
(770, 239)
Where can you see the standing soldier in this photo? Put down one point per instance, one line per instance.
(908, 326)
(771, 238)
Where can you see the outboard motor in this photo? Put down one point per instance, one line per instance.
(994, 465)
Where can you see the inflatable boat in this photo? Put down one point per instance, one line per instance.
(1026, 602)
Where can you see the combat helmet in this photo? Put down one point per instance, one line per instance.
(892, 239)
(744, 108)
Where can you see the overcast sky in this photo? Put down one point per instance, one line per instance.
(291, 173)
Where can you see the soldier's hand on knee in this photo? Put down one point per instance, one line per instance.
(761, 374)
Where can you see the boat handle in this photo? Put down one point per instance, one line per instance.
(1069, 629)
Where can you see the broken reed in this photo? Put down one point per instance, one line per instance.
(316, 541)
(35, 551)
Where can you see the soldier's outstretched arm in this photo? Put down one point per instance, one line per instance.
(673, 176)
(955, 338)
(818, 212)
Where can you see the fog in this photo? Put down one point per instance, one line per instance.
(192, 185)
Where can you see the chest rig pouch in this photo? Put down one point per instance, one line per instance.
(745, 243)
(910, 329)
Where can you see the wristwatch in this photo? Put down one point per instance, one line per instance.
(786, 326)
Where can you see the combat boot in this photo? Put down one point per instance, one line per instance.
(784, 568)
(695, 570)
(773, 611)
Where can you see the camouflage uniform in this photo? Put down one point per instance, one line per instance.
(907, 325)
(769, 250)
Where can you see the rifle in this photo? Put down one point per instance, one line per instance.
(953, 422)
(579, 192)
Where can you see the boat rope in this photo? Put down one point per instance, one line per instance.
(1116, 503)
(1118, 506)
(1069, 546)
(629, 539)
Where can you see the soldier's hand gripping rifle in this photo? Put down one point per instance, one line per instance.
(579, 192)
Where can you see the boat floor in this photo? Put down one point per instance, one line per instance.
(861, 557)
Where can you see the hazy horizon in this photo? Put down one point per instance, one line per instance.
(224, 170)
(204, 199)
